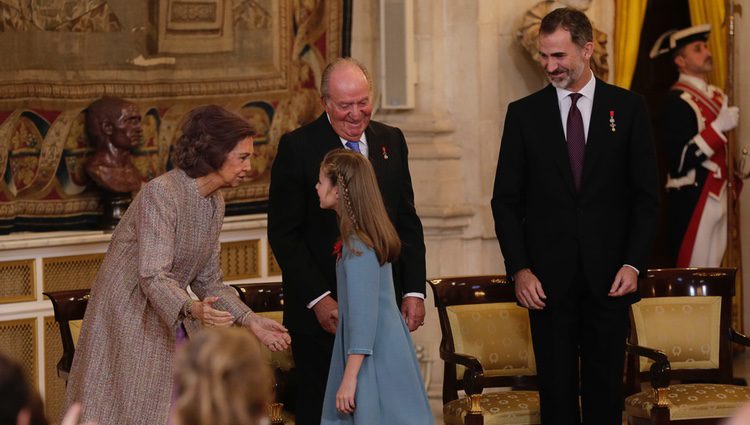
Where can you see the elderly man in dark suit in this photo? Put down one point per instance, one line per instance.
(575, 207)
(302, 235)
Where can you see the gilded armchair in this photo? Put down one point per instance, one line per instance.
(486, 343)
(69, 308)
(681, 342)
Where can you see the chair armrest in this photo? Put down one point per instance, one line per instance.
(739, 338)
(473, 377)
(660, 370)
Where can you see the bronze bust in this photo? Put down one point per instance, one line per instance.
(114, 127)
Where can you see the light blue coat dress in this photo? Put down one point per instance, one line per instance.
(390, 389)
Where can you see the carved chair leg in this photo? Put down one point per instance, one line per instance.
(660, 415)
(474, 419)
(273, 410)
(474, 415)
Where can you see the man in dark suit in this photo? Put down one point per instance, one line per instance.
(575, 205)
(302, 235)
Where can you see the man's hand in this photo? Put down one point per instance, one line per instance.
(327, 313)
(529, 290)
(626, 281)
(412, 308)
(727, 118)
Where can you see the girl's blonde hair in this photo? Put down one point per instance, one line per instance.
(360, 204)
(222, 379)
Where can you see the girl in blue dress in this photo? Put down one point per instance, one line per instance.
(374, 377)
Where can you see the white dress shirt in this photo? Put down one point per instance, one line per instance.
(363, 149)
(585, 104)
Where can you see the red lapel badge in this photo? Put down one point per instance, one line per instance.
(612, 120)
(385, 152)
(337, 250)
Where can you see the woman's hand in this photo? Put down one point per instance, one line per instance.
(345, 395)
(272, 334)
(208, 315)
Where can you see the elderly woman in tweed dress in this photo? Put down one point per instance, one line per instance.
(167, 240)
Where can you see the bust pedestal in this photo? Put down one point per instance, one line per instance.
(114, 205)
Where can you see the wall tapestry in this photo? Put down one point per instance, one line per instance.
(261, 58)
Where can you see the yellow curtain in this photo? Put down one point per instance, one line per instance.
(628, 22)
(712, 12)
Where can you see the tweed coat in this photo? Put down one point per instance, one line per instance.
(168, 239)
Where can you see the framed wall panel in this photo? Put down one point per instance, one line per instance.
(18, 341)
(54, 394)
(70, 272)
(240, 260)
(17, 281)
(273, 267)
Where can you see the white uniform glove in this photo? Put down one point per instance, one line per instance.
(727, 118)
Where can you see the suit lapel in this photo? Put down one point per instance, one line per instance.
(374, 149)
(598, 129)
(556, 136)
(329, 140)
(381, 146)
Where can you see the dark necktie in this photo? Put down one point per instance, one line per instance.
(576, 140)
(353, 145)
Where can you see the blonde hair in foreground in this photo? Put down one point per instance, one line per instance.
(360, 206)
(222, 379)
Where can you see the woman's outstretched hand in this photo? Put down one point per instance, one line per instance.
(271, 333)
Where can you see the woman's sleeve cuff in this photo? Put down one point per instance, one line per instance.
(364, 351)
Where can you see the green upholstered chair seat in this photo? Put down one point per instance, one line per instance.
(498, 408)
(692, 401)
